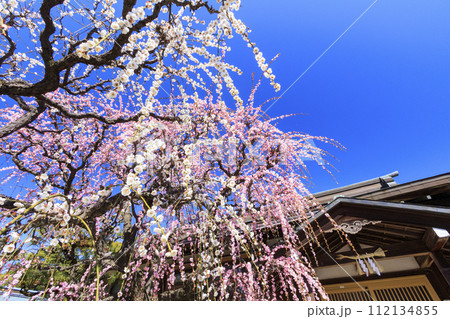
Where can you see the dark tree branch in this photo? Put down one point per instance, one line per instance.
(12, 48)
(91, 115)
(47, 49)
(23, 121)
(84, 162)
(87, 89)
(127, 7)
(51, 80)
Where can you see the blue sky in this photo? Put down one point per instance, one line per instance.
(382, 90)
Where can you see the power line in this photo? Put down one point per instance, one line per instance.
(323, 53)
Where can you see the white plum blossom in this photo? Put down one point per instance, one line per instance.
(133, 181)
(15, 235)
(8, 249)
(142, 251)
(139, 159)
(115, 25)
(66, 218)
(111, 94)
(139, 169)
(126, 191)
(104, 192)
(151, 212)
(54, 242)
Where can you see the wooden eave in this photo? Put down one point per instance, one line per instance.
(360, 188)
(408, 191)
(408, 214)
(397, 223)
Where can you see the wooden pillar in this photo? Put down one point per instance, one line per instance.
(442, 265)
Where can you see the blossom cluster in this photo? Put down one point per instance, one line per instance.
(135, 194)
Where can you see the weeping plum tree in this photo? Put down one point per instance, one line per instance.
(128, 196)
